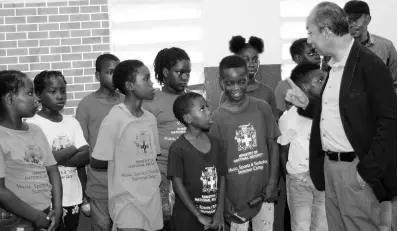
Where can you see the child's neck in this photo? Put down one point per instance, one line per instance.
(106, 92)
(252, 84)
(133, 104)
(193, 133)
(236, 105)
(50, 114)
(13, 122)
(170, 90)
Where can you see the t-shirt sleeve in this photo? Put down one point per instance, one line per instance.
(78, 137)
(47, 152)
(82, 118)
(272, 103)
(156, 136)
(272, 129)
(105, 145)
(222, 158)
(2, 164)
(175, 161)
(285, 129)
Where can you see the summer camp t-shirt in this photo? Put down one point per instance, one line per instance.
(200, 174)
(90, 113)
(130, 146)
(244, 134)
(62, 135)
(23, 158)
(169, 127)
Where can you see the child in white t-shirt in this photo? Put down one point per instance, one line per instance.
(127, 145)
(66, 140)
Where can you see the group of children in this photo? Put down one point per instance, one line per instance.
(156, 159)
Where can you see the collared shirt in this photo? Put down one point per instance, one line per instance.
(296, 131)
(386, 51)
(333, 136)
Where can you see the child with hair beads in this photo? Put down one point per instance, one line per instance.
(127, 145)
(29, 178)
(172, 69)
(91, 111)
(66, 139)
(196, 166)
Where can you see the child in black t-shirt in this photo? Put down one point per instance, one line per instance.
(196, 166)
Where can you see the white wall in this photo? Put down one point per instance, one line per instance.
(223, 19)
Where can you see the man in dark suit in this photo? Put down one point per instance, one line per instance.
(353, 144)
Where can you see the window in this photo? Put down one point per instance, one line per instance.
(141, 28)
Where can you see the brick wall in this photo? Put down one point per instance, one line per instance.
(64, 35)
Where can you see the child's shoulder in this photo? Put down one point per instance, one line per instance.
(86, 100)
(260, 104)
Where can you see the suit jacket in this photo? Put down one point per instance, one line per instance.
(368, 110)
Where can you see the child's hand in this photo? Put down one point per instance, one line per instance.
(42, 221)
(218, 220)
(205, 220)
(270, 193)
(55, 216)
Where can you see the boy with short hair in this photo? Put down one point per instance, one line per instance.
(248, 131)
(91, 111)
(306, 203)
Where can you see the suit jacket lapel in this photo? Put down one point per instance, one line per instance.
(348, 72)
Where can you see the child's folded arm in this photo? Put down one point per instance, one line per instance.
(63, 155)
(98, 164)
(81, 158)
(273, 150)
(284, 156)
(10, 202)
(55, 180)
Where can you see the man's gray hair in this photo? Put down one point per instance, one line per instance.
(330, 15)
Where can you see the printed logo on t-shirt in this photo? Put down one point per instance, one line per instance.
(209, 180)
(60, 142)
(33, 154)
(175, 133)
(143, 143)
(246, 137)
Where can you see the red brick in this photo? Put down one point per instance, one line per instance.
(69, 80)
(32, 74)
(69, 95)
(16, 52)
(91, 86)
(39, 66)
(69, 111)
(36, 19)
(79, 17)
(3, 67)
(91, 40)
(80, 64)
(2, 36)
(1, 20)
(8, 28)
(91, 55)
(61, 65)
(75, 87)
(83, 79)
(71, 41)
(13, 5)
(46, 11)
(69, 57)
(39, 51)
(104, 8)
(94, 2)
(15, 20)
(73, 72)
(86, 25)
(38, 35)
(35, 4)
(50, 42)
(7, 12)
(69, 10)
(28, 43)
(29, 59)
(50, 58)
(59, 34)
(26, 11)
(49, 26)
(105, 24)
(100, 32)
(81, 95)
(19, 67)
(61, 3)
(78, 3)
(89, 71)
(3, 52)
(80, 33)
(15, 36)
(55, 50)
(58, 18)
(84, 48)
(70, 25)
(8, 60)
(102, 16)
(105, 39)
(102, 47)
(27, 27)
(8, 44)
(90, 9)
